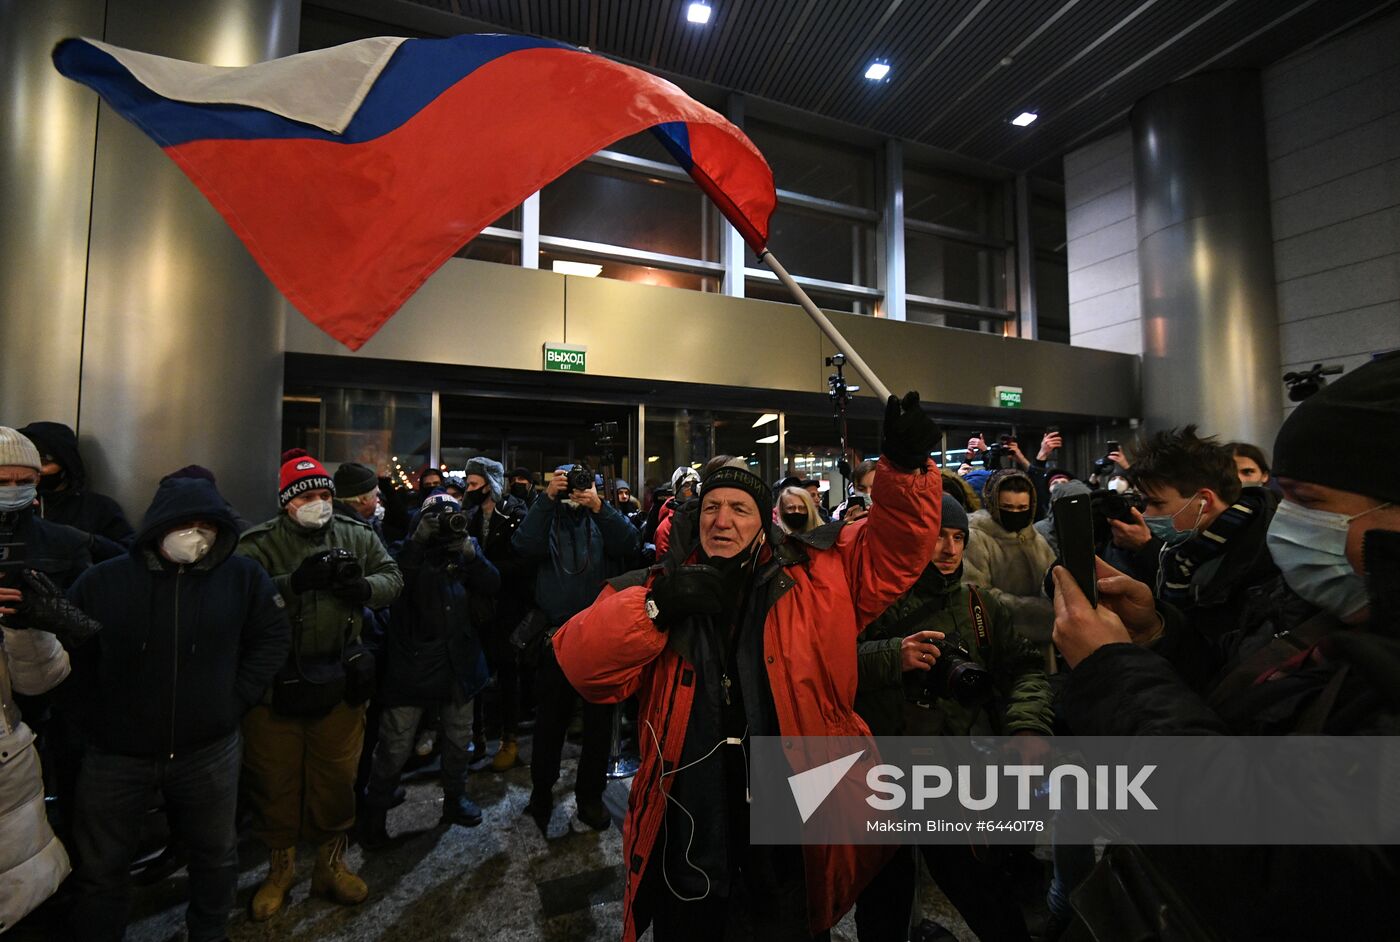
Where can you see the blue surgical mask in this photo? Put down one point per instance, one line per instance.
(1310, 547)
(1164, 527)
(17, 496)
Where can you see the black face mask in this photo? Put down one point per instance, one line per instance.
(477, 497)
(795, 522)
(1015, 521)
(520, 490)
(49, 483)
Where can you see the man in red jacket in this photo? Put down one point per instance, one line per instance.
(755, 635)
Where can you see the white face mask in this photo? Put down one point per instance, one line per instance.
(313, 514)
(378, 511)
(188, 545)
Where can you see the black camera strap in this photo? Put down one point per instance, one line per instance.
(978, 612)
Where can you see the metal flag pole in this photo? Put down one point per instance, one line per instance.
(827, 327)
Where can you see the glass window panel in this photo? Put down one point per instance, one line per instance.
(691, 437)
(950, 200)
(643, 145)
(641, 274)
(617, 207)
(1052, 299)
(816, 167)
(491, 250)
(917, 314)
(534, 433)
(389, 431)
(765, 290)
(1047, 225)
(813, 451)
(954, 271)
(816, 245)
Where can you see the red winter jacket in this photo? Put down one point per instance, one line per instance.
(834, 582)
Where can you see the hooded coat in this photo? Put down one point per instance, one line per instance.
(827, 584)
(1009, 566)
(185, 650)
(32, 861)
(75, 505)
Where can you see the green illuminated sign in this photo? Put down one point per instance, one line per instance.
(1009, 397)
(565, 358)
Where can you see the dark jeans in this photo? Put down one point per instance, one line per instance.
(556, 707)
(885, 906)
(114, 793)
(978, 889)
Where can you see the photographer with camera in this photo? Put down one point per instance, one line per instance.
(192, 636)
(578, 542)
(945, 660)
(753, 634)
(434, 660)
(1200, 543)
(684, 481)
(857, 505)
(302, 743)
(34, 554)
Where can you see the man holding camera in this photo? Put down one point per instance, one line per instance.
(302, 743)
(1201, 542)
(36, 629)
(191, 638)
(578, 541)
(906, 660)
(434, 660)
(754, 635)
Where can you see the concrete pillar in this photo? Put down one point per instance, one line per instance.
(1205, 256)
(169, 338)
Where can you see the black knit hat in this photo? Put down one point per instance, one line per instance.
(353, 479)
(1363, 410)
(730, 475)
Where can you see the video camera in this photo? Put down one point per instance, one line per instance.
(999, 455)
(956, 676)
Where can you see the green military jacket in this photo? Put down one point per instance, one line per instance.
(320, 620)
(884, 693)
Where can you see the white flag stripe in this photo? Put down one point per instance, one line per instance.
(323, 88)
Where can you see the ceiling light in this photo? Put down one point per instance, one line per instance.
(877, 70)
(586, 269)
(1024, 118)
(765, 418)
(698, 13)
(770, 440)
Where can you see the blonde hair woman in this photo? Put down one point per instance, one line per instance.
(797, 512)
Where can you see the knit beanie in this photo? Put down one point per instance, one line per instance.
(493, 472)
(17, 450)
(300, 473)
(741, 478)
(353, 479)
(954, 515)
(439, 501)
(1361, 409)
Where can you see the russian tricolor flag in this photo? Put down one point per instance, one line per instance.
(353, 173)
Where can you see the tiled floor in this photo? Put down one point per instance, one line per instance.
(499, 882)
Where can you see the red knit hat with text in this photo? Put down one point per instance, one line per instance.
(300, 473)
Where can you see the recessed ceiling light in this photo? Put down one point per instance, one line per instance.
(585, 269)
(698, 13)
(877, 70)
(1024, 118)
(768, 440)
(765, 418)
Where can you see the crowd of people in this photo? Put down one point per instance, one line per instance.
(288, 672)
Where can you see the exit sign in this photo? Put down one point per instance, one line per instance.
(565, 358)
(1009, 397)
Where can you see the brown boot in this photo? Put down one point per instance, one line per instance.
(505, 756)
(332, 879)
(281, 874)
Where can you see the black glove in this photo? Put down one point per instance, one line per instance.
(44, 608)
(314, 573)
(690, 590)
(355, 590)
(427, 529)
(909, 434)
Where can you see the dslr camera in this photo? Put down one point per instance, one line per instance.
(999, 454)
(450, 525)
(343, 566)
(580, 478)
(956, 676)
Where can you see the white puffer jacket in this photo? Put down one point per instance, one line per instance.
(32, 861)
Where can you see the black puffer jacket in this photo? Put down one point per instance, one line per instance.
(75, 505)
(184, 650)
(59, 552)
(504, 611)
